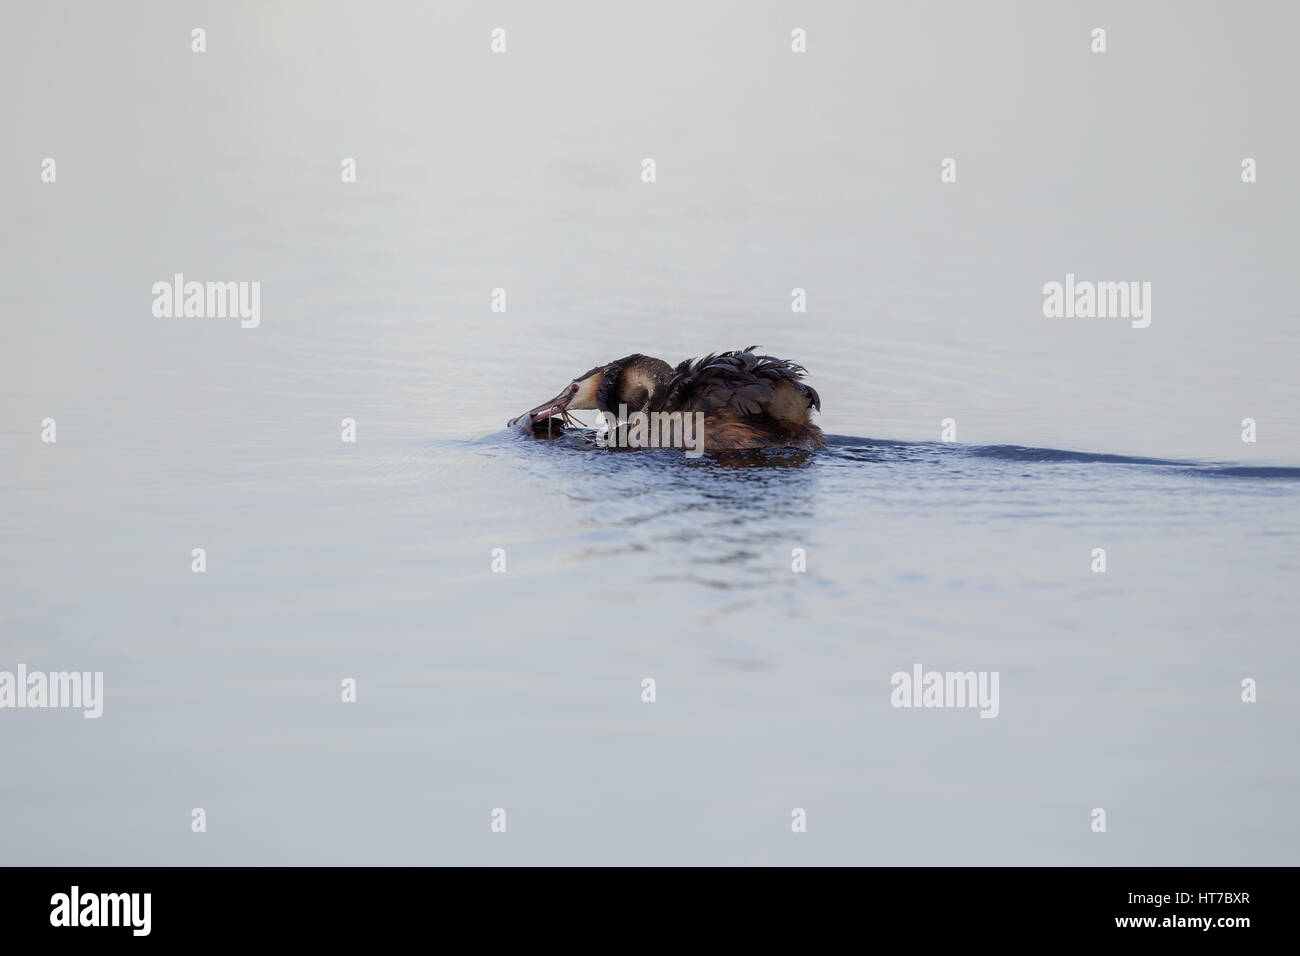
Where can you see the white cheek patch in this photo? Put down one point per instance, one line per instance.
(585, 398)
(639, 379)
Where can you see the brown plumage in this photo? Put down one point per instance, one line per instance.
(747, 400)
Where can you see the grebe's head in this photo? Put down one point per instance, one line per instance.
(627, 381)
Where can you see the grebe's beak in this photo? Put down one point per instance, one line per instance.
(554, 407)
(582, 394)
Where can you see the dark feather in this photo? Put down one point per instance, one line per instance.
(735, 391)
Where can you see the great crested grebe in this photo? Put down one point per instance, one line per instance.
(746, 400)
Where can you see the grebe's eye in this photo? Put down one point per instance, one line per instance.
(573, 388)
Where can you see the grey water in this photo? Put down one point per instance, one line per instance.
(521, 689)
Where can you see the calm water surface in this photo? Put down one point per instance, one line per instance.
(521, 690)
